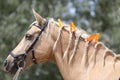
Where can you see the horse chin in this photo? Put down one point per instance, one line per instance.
(13, 70)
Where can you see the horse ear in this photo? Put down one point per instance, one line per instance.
(38, 18)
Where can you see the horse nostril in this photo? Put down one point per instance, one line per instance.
(5, 63)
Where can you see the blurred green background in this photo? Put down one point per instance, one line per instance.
(101, 16)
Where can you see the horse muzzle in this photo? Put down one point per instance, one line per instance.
(10, 67)
(11, 64)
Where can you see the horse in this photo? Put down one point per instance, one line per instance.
(76, 58)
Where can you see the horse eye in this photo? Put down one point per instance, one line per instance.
(28, 36)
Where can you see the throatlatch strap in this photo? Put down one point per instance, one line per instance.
(33, 57)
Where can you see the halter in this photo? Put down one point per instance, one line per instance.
(21, 57)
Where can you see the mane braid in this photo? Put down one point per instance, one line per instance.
(110, 53)
(70, 40)
(117, 57)
(93, 57)
(75, 47)
(84, 61)
(59, 34)
(48, 31)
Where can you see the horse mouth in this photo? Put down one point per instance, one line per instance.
(11, 68)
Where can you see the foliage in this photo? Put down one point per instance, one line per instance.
(101, 16)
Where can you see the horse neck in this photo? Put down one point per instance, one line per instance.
(68, 51)
(75, 56)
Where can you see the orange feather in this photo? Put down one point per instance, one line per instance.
(71, 25)
(93, 36)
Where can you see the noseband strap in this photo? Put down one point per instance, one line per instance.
(31, 48)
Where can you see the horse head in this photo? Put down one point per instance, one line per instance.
(35, 47)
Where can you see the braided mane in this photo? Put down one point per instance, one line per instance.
(82, 35)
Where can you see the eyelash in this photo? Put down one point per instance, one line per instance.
(28, 37)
